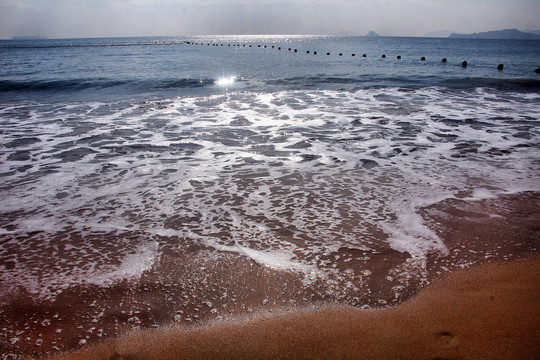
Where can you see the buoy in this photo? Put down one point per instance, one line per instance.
(537, 70)
(295, 50)
(364, 55)
(289, 49)
(399, 57)
(353, 54)
(444, 60)
(340, 54)
(384, 56)
(423, 58)
(307, 52)
(272, 46)
(279, 48)
(500, 67)
(258, 45)
(314, 53)
(328, 53)
(464, 64)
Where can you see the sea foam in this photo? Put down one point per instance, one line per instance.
(280, 177)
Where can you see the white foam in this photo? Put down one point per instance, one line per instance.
(408, 232)
(281, 261)
(132, 266)
(47, 285)
(249, 181)
(481, 194)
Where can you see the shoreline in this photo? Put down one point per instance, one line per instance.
(488, 311)
(475, 232)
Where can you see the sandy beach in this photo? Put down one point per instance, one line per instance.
(486, 312)
(481, 303)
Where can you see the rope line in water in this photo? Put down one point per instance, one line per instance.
(464, 63)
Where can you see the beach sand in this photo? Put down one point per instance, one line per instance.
(485, 312)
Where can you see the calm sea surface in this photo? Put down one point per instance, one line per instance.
(114, 150)
(127, 68)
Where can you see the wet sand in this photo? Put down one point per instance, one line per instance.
(485, 312)
(194, 286)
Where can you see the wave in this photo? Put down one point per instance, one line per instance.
(321, 79)
(516, 84)
(133, 87)
(412, 82)
(96, 84)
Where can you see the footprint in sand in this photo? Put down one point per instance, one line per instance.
(448, 338)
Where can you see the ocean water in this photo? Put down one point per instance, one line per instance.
(115, 151)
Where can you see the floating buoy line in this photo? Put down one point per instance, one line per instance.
(464, 63)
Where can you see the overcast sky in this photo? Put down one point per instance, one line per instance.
(96, 18)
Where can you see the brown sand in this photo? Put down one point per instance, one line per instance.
(489, 311)
(198, 285)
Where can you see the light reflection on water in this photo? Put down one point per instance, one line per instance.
(225, 81)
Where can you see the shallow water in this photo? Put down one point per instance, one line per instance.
(280, 177)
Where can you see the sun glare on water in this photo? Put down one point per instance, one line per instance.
(225, 81)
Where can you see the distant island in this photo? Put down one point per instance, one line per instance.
(499, 34)
(32, 37)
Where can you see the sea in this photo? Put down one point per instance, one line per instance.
(151, 180)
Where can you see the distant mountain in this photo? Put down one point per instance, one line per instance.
(499, 34)
(372, 34)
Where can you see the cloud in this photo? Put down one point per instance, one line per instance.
(87, 18)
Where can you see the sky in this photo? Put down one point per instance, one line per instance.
(104, 18)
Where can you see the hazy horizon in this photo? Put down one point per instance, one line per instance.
(101, 18)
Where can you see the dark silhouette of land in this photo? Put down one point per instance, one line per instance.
(498, 34)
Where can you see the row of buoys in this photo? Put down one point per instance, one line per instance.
(464, 64)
